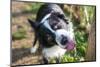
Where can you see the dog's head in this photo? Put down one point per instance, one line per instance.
(56, 28)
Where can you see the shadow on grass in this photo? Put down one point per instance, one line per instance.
(19, 53)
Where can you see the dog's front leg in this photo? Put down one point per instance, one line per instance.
(45, 61)
(57, 60)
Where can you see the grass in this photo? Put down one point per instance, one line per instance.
(79, 53)
(19, 34)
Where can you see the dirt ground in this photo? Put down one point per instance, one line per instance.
(21, 48)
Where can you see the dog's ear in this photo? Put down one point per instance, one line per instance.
(33, 24)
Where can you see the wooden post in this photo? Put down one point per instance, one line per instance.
(91, 48)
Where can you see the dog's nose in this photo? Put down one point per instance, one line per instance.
(64, 40)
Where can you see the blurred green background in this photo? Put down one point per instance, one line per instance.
(22, 35)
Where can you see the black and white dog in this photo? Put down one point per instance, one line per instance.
(53, 30)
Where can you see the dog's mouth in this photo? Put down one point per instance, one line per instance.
(65, 40)
(70, 45)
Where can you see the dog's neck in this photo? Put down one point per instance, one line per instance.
(55, 51)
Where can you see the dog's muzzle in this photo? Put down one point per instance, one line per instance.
(64, 39)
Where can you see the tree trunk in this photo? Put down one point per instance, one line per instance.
(91, 48)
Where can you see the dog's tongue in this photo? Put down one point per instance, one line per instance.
(70, 46)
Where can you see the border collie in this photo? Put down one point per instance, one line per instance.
(54, 32)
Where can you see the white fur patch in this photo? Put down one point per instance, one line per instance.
(54, 51)
(59, 37)
(33, 50)
(46, 22)
(48, 26)
(45, 18)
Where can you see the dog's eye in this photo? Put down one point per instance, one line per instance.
(57, 27)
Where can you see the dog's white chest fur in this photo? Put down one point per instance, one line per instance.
(54, 51)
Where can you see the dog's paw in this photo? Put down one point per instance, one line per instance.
(33, 50)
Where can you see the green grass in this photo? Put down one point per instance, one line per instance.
(19, 34)
(81, 45)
